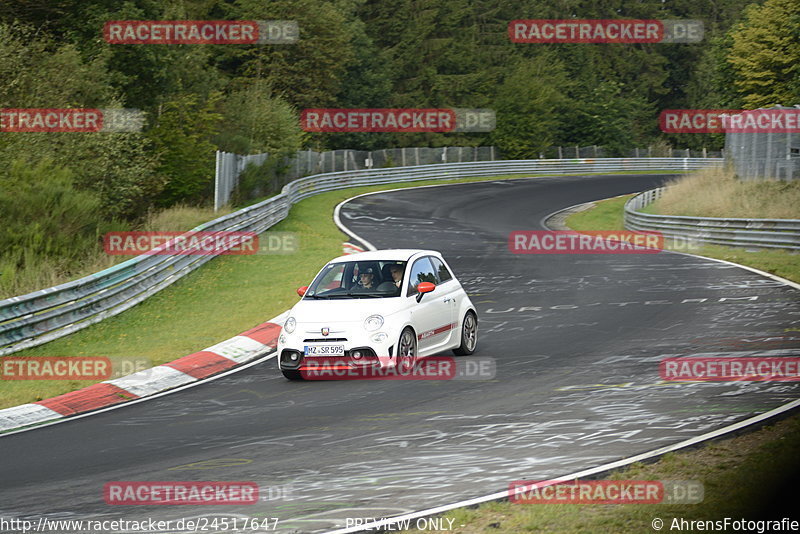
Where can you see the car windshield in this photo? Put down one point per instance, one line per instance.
(358, 279)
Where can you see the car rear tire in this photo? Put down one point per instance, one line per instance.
(469, 335)
(407, 351)
(292, 374)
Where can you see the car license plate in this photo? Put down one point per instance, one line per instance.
(324, 350)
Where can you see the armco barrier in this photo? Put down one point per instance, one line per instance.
(48, 314)
(753, 233)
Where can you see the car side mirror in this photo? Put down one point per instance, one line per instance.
(424, 287)
(302, 290)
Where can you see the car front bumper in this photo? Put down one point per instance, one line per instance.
(361, 348)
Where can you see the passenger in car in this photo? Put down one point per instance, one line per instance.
(397, 274)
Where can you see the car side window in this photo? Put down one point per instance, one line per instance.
(441, 271)
(421, 271)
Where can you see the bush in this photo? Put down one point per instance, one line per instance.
(48, 225)
(260, 180)
(256, 121)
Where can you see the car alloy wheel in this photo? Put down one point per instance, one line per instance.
(469, 335)
(407, 351)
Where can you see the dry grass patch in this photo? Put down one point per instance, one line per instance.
(715, 192)
(181, 218)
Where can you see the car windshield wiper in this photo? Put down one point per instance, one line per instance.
(347, 295)
(359, 295)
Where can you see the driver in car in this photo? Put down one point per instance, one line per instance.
(366, 279)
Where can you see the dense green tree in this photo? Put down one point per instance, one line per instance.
(528, 103)
(307, 73)
(608, 115)
(182, 136)
(256, 121)
(366, 83)
(37, 72)
(765, 54)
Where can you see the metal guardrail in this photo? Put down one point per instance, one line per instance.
(45, 315)
(752, 233)
(307, 162)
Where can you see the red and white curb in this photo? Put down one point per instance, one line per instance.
(213, 360)
(349, 248)
(232, 352)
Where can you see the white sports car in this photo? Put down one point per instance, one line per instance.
(384, 308)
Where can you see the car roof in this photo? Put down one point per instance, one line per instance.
(395, 254)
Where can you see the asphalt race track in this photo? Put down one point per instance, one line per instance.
(576, 340)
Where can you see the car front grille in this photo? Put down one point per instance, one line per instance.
(324, 339)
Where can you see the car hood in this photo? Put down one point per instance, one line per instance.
(344, 310)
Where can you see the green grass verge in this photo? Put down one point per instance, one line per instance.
(741, 477)
(225, 297)
(607, 215)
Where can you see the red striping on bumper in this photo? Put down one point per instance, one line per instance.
(201, 364)
(266, 333)
(88, 398)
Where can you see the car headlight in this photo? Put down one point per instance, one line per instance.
(373, 322)
(290, 325)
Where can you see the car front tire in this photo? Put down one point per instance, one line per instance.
(407, 351)
(292, 374)
(469, 335)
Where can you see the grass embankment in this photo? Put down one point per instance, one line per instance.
(744, 476)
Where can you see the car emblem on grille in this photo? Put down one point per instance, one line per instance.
(326, 331)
